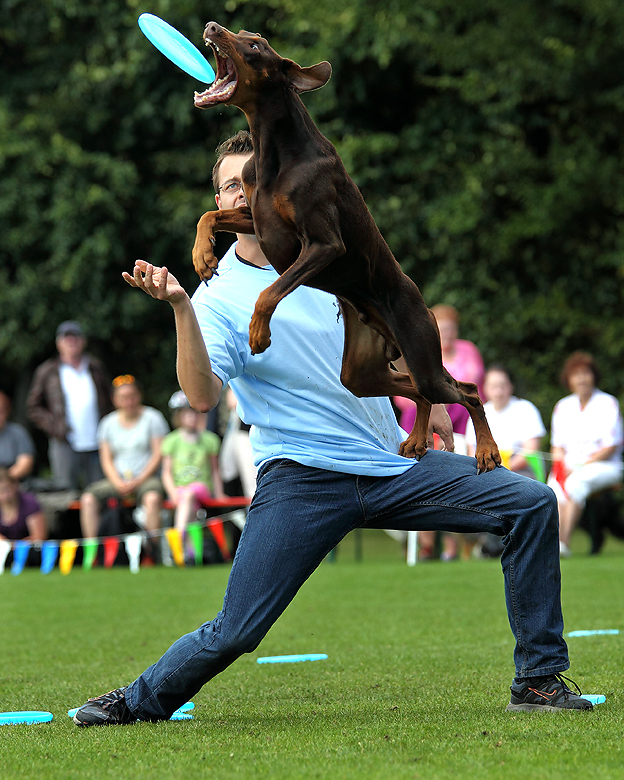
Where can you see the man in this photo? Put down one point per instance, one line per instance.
(17, 450)
(328, 463)
(68, 397)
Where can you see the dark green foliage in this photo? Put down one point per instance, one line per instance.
(486, 139)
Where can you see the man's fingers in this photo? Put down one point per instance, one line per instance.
(130, 279)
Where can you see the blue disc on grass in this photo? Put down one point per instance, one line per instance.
(595, 632)
(26, 716)
(292, 659)
(595, 698)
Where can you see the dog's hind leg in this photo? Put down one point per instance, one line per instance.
(415, 331)
(486, 452)
(366, 373)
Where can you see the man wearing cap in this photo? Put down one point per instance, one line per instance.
(68, 397)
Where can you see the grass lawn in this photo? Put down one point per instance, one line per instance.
(415, 685)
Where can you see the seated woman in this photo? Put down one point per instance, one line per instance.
(17, 450)
(516, 423)
(129, 439)
(586, 440)
(20, 514)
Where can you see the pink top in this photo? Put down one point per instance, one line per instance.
(466, 366)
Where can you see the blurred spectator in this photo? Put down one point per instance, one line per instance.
(20, 514)
(460, 358)
(68, 397)
(463, 361)
(586, 440)
(516, 423)
(17, 451)
(130, 440)
(190, 468)
(236, 457)
(517, 428)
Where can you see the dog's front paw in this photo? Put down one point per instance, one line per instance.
(204, 260)
(259, 336)
(411, 448)
(488, 458)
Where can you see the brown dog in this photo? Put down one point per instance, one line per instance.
(315, 229)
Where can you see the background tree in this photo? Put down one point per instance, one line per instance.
(485, 138)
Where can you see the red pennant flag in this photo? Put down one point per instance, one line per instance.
(111, 547)
(215, 526)
(559, 473)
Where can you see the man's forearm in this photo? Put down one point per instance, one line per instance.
(200, 385)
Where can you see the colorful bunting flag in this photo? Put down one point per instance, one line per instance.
(49, 554)
(196, 537)
(111, 548)
(506, 457)
(20, 556)
(559, 473)
(67, 555)
(5, 549)
(536, 463)
(215, 526)
(174, 537)
(89, 552)
(133, 551)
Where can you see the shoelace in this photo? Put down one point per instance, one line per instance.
(567, 691)
(108, 699)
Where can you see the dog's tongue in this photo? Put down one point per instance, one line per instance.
(222, 88)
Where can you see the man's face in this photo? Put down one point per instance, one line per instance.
(70, 346)
(230, 194)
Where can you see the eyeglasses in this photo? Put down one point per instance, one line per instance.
(231, 187)
(124, 379)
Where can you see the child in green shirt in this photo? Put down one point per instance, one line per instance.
(190, 471)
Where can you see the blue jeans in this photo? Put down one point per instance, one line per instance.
(299, 514)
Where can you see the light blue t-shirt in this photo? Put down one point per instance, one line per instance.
(291, 394)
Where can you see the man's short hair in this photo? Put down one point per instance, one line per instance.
(238, 144)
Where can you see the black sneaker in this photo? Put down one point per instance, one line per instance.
(107, 710)
(546, 694)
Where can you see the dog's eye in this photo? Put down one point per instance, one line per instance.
(253, 46)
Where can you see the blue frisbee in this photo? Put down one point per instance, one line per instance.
(26, 716)
(176, 47)
(595, 698)
(292, 659)
(595, 632)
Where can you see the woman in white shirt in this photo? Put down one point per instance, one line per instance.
(516, 423)
(586, 440)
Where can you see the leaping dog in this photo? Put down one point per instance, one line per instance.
(315, 229)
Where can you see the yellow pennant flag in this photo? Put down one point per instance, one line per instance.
(67, 555)
(506, 457)
(174, 537)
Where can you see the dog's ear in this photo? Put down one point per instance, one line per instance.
(307, 79)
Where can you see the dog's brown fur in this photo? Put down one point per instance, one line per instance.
(315, 229)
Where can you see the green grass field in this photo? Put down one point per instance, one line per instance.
(415, 685)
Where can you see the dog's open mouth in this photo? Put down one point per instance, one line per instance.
(225, 83)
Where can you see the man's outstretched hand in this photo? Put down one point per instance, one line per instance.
(440, 423)
(157, 282)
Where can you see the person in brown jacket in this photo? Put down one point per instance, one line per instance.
(68, 397)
